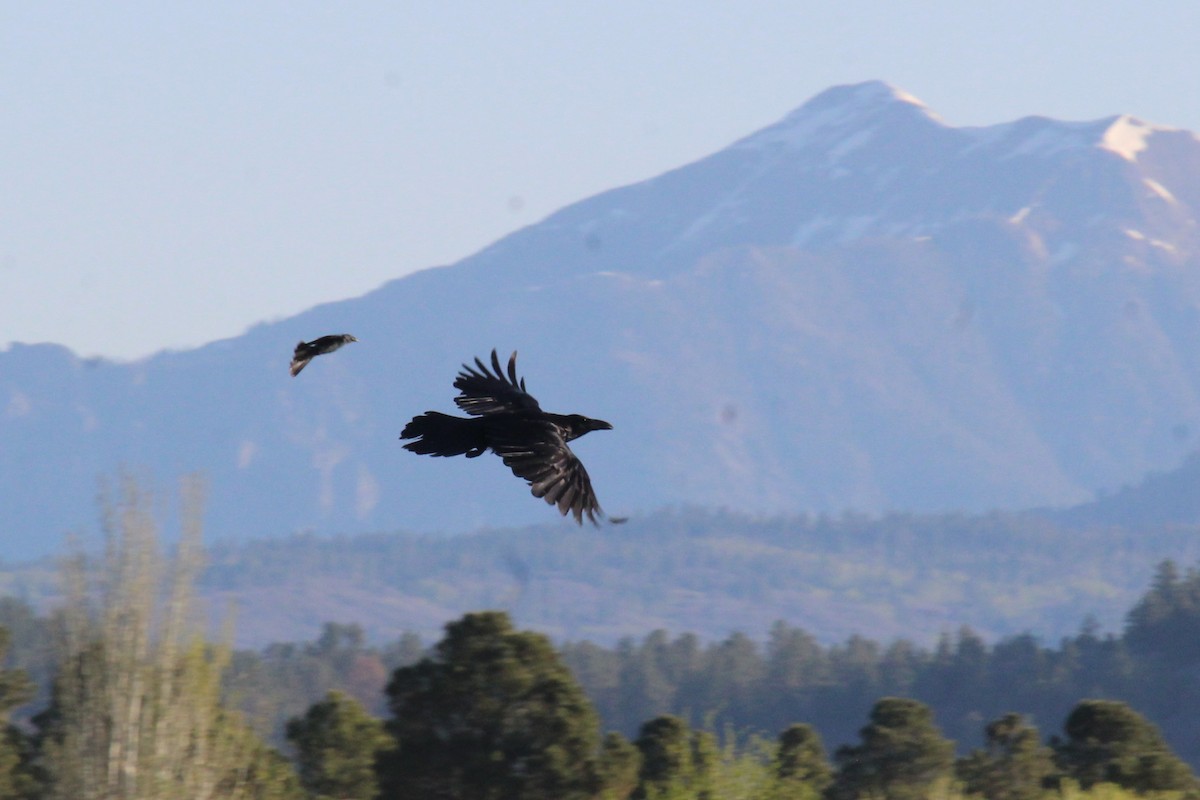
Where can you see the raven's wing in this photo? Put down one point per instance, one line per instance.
(536, 451)
(483, 391)
(300, 358)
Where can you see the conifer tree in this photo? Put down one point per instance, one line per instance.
(337, 744)
(800, 761)
(1108, 742)
(492, 714)
(617, 768)
(675, 760)
(1165, 622)
(1013, 765)
(901, 755)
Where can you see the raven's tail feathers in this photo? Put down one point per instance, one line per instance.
(437, 434)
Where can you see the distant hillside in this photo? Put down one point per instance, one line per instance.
(709, 573)
(860, 307)
(1161, 498)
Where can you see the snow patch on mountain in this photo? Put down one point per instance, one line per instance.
(1127, 136)
(1160, 190)
(1045, 138)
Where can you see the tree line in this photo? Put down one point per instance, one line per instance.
(763, 685)
(130, 699)
(493, 712)
(741, 683)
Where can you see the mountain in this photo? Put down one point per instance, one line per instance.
(1160, 499)
(859, 307)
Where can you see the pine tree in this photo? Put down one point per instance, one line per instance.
(675, 760)
(1013, 765)
(617, 768)
(1108, 742)
(491, 714)
(337, 744)
(901, 755)
(1165, 622)
(800, 762)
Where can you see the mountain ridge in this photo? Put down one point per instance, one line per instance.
(893, 314)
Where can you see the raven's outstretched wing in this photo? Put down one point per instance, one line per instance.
(536, 451)
(307, 351)
(303, 354)
(483, 391)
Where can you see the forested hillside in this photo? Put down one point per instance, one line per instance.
(910, 576)
(118, 692)
(763, 679)
(896, 576)
(747, 709)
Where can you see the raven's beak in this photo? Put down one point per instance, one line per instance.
(598, 425)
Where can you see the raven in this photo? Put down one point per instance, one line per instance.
(307, 351)
(509, 421)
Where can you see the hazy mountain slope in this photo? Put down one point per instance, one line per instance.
(1170, 498)
(900, 576)
(859, 307)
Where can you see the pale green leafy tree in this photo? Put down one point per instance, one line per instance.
(137, 712)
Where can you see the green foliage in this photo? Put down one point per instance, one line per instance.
(1013, 765)
(901, 755)
(617, 768)
(510, 713)
(285, 679)
(1108, 742)
(676, 761)
(493, 713)
(744, 770)
(1165, 623)
(16, 776)
(800, 761)
(337, 744)
(136, 711)
(794, 678)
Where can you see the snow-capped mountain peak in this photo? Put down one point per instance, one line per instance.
(858, 307)
(837, 111)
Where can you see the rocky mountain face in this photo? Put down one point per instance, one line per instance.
(860, 307)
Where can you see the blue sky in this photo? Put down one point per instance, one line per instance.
(172, 173)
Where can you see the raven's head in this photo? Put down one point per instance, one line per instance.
(349, 338)
(578, 425)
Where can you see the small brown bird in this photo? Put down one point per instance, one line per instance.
(508, 420)
(307, 351)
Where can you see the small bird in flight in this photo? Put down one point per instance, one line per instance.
(508, 420)
(307, 351)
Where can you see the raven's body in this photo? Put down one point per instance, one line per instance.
(307, 351)
(508, 421)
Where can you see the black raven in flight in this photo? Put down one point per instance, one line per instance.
(307, 351)
(509, 421)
